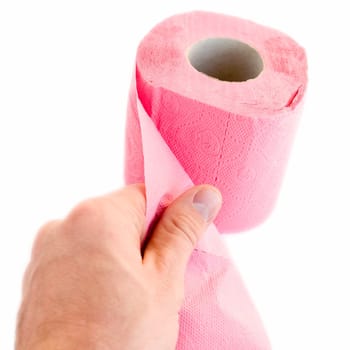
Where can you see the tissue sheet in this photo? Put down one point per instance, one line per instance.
(215, 99)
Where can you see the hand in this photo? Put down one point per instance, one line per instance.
(89, 285)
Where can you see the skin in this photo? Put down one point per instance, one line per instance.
(91, 285)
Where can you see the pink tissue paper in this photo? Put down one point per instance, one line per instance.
(215, 99)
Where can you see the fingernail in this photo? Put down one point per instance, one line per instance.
(207, 202)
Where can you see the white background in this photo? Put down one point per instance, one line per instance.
(65, 68)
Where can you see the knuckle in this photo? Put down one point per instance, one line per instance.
(183, 227)
(84, 213)
(43, 235)
(45, 229)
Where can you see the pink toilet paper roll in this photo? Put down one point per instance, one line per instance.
(215, 99)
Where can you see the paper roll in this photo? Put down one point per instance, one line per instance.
(234, 135)
(215, 99)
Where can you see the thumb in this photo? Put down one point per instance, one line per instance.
(180, 227)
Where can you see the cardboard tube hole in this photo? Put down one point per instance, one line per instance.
(226, 59)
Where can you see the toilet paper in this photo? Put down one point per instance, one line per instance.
(215, 99)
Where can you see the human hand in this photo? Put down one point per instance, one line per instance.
(90, 284)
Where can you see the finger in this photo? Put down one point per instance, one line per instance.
(130, 202)
(120, 215)
(179, 229)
